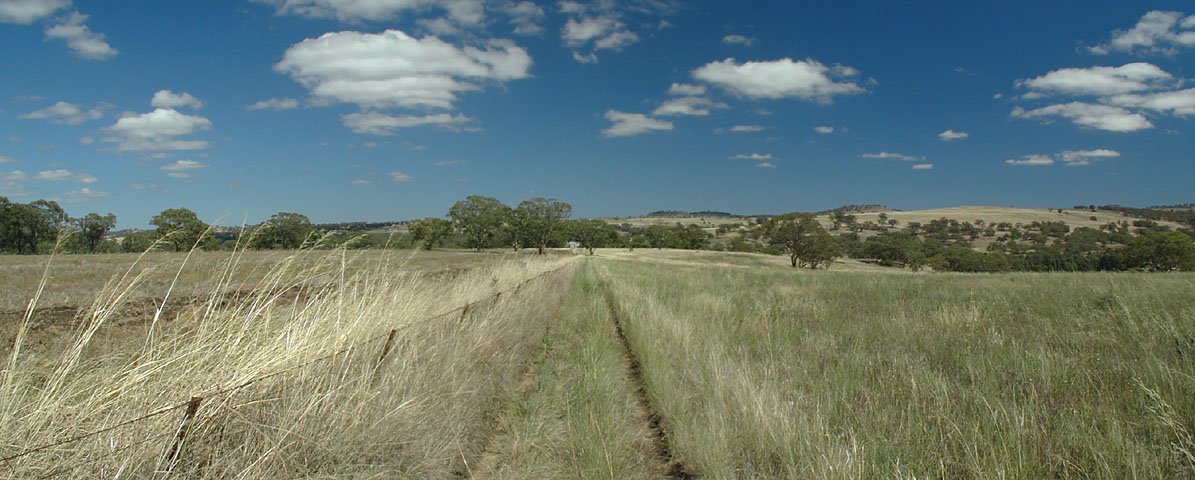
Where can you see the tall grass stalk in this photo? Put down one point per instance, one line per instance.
(419, 414)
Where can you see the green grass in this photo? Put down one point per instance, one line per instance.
(580, 418)
(833, 375)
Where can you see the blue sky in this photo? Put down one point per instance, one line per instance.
(394, 109)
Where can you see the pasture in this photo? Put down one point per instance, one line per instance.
(644, 364)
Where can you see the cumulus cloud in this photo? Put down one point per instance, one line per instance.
(375, 123)
(1179, 102)
(602, 32)
(401, 177)
(685, 89)
(65, 176)
(158, 130)
(79, 37)
(169, 99)
(64, 113)
(694, 106)
(183, 169)
(392, 69)
(6, 159)
(83, 195)
(1082, 158)
(1102, 117)
(951, 135)
(823, 129)
(765, 165)
(894, 156)
(631, 124)
(1129, 78)
(785, 78)
(525, 17)
(1157, 32)
(738, 40)
(24, 12)
(746, 128)
(923, 166)
(752, 156)
(274, 104)
(13, 183)
(361, 181)
(1031, 160)
(153, 187)
(465, 12)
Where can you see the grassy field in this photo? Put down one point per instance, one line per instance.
(289, 369)
(784, 374)
(645, 364)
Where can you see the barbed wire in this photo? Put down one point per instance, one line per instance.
(233, 388)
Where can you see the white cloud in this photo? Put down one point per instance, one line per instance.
(951, 135)
(182, 168)
(86, 140)
(465, 12)
(896, 156)
(585, 59)
(746, 128)
(64, 113)
(445, 163)
(401, 177)
(766, 165)
(823, 129)
(525, 16)
(1102, 117)
(13, 183)
(169, 99)
(153, 187)
(6, 159)
(157, 130)
(1129, 78)
(695, 106)
(274, 104)
(605, 32)
(24, 12)
(752, 156)
(923, 166)
(1179, 102)
(631, 124)
(65, 176)
(1031, 160)
(1080, 158)
(361, 181)
(1158, 32)
(685, 89)
(84, 195)
(392, 69)
(84, 42)
(738, 40)
(375, 123)
(804, 79)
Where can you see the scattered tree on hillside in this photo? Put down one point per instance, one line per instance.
(480, 219)
(592, 234)
(430, 231)
(803, 239)
(535, 222)
(93, 227)
(24, 227)
(284, 230)
(180, 228)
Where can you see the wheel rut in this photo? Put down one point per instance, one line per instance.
(662, 451)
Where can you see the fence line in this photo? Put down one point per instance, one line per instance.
(192, 404)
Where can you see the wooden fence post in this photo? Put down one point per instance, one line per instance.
(176, 449)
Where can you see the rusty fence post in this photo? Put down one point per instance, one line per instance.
(385, 351)
(464, 312)
(176, 449)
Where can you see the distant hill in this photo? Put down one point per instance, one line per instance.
(683, 214)
(859, 209)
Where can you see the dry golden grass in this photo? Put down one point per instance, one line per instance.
(1073, 218)
(322, 318)
(667, 256)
